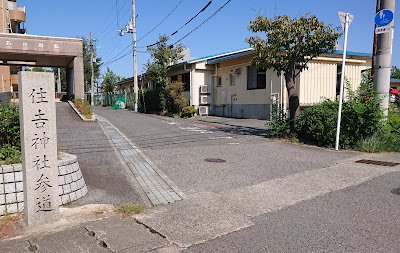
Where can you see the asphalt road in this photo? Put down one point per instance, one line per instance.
(107, 181)
(363, 218)
(179, 147)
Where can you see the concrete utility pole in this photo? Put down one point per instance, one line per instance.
(131, 28)
(91, 67)
(135, 80)
(383, 63)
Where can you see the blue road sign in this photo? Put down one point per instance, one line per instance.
(383, 17)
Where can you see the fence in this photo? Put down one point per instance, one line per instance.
(109, 98)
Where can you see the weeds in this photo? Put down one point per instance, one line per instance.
(129, 209)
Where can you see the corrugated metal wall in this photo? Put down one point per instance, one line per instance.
(319, 80)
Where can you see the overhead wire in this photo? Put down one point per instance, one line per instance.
(205, 21)
(118, 57)
(162, 21)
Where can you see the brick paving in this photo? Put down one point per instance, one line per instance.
(155, 187)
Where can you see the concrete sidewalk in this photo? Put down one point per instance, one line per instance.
(196, 220)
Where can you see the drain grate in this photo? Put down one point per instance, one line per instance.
(215, 160)
(380, 163)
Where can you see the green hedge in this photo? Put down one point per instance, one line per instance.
(150, 100)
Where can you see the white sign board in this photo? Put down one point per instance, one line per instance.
(342, 17)
(382, 29)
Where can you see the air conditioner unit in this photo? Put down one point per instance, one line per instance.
(203, 110)
(204, 100)
(203, 89)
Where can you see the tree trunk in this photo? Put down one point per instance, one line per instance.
(294, 104)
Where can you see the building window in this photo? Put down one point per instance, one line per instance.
(174, 78)
(338, 77)
(186, 81)
(231, 80)
(256, 78)
(219, 82)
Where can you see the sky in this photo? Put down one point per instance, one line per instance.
(224, 32)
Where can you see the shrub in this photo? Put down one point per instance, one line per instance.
(150, 100)
(9, 126)
(362, 117)
(188, 111)
(83, 107)
(279, 125)
(175, 99)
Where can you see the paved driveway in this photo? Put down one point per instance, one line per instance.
(107, 180)
(178, 147)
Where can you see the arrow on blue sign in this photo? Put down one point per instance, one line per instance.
(383, 17)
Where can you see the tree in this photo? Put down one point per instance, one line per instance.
(37, 69)
(288, 46)
(395, 73)
(162, 56)
(87, 71)
(63, 75)
(109, 79)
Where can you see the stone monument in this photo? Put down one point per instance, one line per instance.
(38, 146)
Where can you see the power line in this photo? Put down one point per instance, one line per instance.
(161, 21)
(205, 21)
(204, 8)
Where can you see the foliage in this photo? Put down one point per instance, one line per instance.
(87, 71)
(162, 56)
(83, 107)
(37, 69)
(278, 126)
(109, 79)
(362, 117)
(395, 72)
(10, 154)
(175, 99)
(129, 209)
(188, 111)
(150, 100)
(9, 126)
(10, 143)
(63, 78)
(288, 45)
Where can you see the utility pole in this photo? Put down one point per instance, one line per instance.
(91, 67)
(384, 21)
(131, 28)
(135, 80)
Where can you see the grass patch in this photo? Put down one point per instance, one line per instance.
(129, 209)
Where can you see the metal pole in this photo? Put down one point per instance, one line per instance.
(91, 66)
(135, 80)
(346, 26)
(383, 62)
(59, 81)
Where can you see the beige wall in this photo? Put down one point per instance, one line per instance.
(5, 77)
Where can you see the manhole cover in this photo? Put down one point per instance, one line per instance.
(381, 163)
(215, 160)
(396, 191)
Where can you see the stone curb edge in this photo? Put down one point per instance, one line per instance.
(80, 115)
